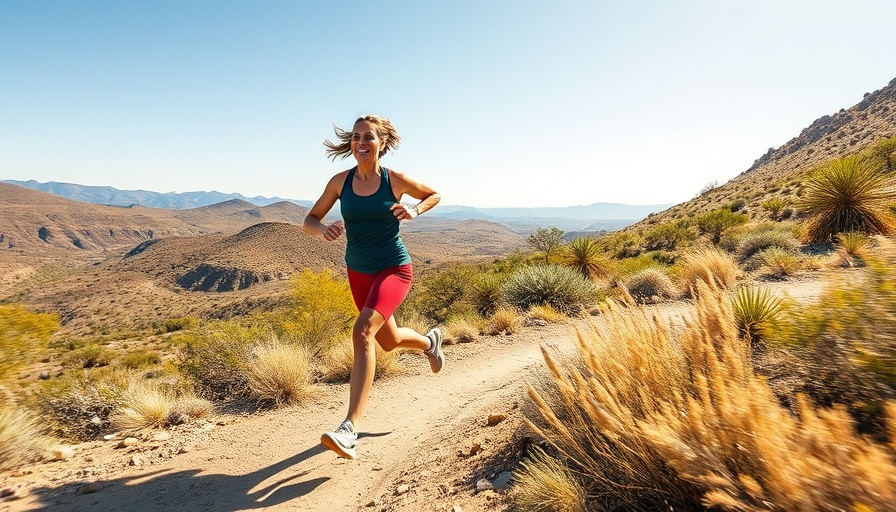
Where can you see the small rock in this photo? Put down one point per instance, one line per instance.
(63, 452)
(184, 449)
(222, 422)
(109, 437)
(402, 489)
(179, 419)
(476, 448)
(91, 488)
(502, 480)
(377, 468)
(88, 459)
(135, 460)
(5, 493)
(96, 421)
(484, 485)
(371, 503)
(456, 508)
(161, 436)
(128, 441)
(44, 375)
(494, 419)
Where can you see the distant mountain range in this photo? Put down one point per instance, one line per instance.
(593, 217)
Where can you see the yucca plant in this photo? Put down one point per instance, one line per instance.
(853, 243)
(754, 309)
(848, 194)
(487, 294)
(585, 256)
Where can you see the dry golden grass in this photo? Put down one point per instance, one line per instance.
(547, 313)
(544, 484)
(504, 321)
(650, 285)
(654, 418)
(337, 363)
(712, 266)
(150, 404)
(280, 373)
(22, 437)
(460, 330)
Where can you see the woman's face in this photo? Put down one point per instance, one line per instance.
(366, 144)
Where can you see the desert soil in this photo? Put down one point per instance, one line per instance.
(426, 443)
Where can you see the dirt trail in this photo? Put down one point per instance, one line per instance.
(412, 433)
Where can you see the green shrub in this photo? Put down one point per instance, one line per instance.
(774, 206)
(213, 357)
(322, 310)
(546, 241)
(89, 356)
(757, 241)
(716, 222)
(668, 235)
(487, 294)
(140, 358)
(77, 406)
(621, 244)
(755, 310)
(561, 287)
(848, 194)
(444, 294)
(178, 324)
(585, 256)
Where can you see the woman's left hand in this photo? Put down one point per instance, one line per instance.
(403, 211)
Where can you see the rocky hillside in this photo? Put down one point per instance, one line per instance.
(780, 172)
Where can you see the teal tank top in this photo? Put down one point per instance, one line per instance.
(371, 228)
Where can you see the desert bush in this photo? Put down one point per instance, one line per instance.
(780, 263)
(322, 310)
(547, 313)
(628, 266)
(178, 324)
(712, 266)
(847, 194)
(650, 286)
(504, 321)
(443, 294)
(621, 244)
(23, 336)
(774, 206)
(883, 154)
(149, 403)
(280, 373)
(655, 418)
(755, 310)
(487, 293)
(847, 338)
(338, 360)
(668, 235)
(460, 330)
(753, 242)
(716, 222)
(88, 356)
(544, 484)
(22, 437)
(140, 358)
(737, 205)
(586, 257)
(77, 406)
(561, 287)
(212, 357)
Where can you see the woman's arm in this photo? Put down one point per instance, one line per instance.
(404, 184)
(312, 224)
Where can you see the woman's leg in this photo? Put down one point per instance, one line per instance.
(391, 336)
(364, 332)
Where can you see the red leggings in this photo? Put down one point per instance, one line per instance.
(382, 291)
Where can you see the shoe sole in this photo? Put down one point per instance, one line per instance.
(331, 444)
(439, 355)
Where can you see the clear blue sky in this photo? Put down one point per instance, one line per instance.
(498, 102)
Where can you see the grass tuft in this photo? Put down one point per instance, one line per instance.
(544, 484)
(22, 437)
(280, 373)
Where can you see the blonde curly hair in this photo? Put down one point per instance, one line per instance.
(384, 131)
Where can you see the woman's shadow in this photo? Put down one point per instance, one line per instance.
(188, 490)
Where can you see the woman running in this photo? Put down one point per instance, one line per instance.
(378, 264)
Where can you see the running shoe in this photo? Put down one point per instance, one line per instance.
(343, 441)
(434, 353)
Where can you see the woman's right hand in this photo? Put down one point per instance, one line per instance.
(334, 231)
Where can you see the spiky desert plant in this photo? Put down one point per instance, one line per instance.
(712, 266)
(544, 484)
(653, 417)
(487, 293)
(280, 373)
(774, 206)
(22, 437)
(847, 194)
(586, 257)
(853, 243)
(561, 287)
(650, 285)
(754, 310)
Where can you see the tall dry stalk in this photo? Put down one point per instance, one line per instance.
(653, 417)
